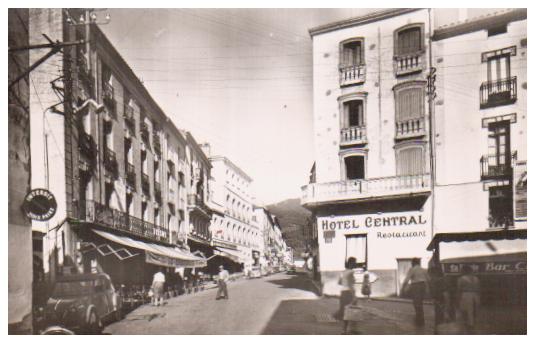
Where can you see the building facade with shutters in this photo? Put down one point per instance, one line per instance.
(121, 171)
(371, 189)
(380, 188)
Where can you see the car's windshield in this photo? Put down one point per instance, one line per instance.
(72, 288)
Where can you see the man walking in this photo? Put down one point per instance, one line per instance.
(418, 279)
(222, 283)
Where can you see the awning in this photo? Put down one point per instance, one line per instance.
(158, 254)
(231, 254)
(487, 252)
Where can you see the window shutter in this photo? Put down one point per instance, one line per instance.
(410, 103)
(410, 161)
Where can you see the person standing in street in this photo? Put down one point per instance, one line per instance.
(347, 292)
(158, 283)
(222, 280)
(437, 289)
(417, 281)
(468, 288)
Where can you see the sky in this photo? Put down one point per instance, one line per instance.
(239, 79)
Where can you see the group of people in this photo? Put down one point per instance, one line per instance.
(463, 296)
(158, 283)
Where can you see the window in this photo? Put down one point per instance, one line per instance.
(352, 53)
(354, 167)
(353, 113)
(156, 217)
(108, 191)
(500, 206)
(410, 161)
(144, 212)
(357, 246)
(410, 101)
(499, 142)
(409, 40)
(499, 67)
(129, 204)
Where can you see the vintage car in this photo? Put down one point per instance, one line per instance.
(82, 302)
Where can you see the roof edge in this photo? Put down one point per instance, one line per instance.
(361, 20)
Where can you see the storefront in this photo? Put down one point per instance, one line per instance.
(226, 255)
(383, 236)
(498, 258)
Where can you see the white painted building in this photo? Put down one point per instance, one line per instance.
(372, 188)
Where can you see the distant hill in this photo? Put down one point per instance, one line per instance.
(293, 218)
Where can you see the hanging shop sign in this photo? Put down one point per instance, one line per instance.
(39, 204)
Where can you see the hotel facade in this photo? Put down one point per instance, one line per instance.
(400, 155)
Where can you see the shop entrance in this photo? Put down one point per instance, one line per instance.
(404, 264)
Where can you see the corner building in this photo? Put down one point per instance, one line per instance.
(371, 182)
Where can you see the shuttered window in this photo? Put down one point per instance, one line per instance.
(352, 54)
(410, 161)
(409, 41)
(353, 113)
(410, 103)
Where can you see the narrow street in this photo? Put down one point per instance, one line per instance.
(278, 304)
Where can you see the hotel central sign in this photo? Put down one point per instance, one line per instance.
(371, 221)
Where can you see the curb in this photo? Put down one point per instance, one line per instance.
(400, 300)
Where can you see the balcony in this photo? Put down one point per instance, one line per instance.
(496, 167)
(385, 187)
(94, 212)
(87, 146)
(145, 185)
(352, 74)
(158, 192)
(130, 120)
(410, 128)
(196, 202)
(108, 97)
(144, 128)
(353, 135)
(130, 175)
(84, 72)
(110, 162)
(409, 63)
(497, 93)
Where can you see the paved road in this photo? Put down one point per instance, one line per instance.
(249, 310)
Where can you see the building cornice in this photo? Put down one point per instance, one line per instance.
(480, 23)
(233, 166)
(361, 20)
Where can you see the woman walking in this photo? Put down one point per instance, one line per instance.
(347, 293)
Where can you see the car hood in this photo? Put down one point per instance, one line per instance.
(59, 305)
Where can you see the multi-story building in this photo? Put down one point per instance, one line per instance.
(388, 172)
(20, 260)
(481, 150)
(110, 159)
(371, 188)
(233, 232)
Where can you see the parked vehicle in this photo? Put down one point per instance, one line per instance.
(82, 302)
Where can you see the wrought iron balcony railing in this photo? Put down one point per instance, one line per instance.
(392, 186)
(87, 145)
(497, 166)
(410, 127)
(94, 212)
(498, 93)
(110, 162)
(352, 74)
(353, 135)
(409, 63)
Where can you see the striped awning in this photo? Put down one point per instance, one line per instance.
(158, 254)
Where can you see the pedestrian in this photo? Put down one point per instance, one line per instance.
(366, 288)
(158, 283)
(468, 288)
(437, 288)
(223, 277)
(347, 292)
(416, 281)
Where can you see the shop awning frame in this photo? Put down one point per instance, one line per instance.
(447, 237)
(232, 255)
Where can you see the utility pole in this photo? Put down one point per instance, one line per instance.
(431, 95)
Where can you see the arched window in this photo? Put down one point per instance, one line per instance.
(353, 164)
(410, 159)
(409, 39)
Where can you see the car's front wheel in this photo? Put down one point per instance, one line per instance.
(94, 326)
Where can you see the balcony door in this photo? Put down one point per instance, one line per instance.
(499, 68)
(355, 167)
(353, 114)
(499, 141)
(410, 161)
(352, 53)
